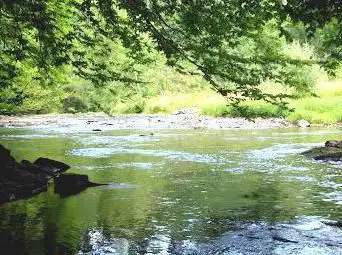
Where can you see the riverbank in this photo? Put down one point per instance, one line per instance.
(182, 119)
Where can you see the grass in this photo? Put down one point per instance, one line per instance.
(168, 103)
(329, 88)
(324, 109)
(311, 110)
(209, 103)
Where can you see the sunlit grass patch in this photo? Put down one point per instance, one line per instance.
(254, 109)
(326, 109)
(329, 88)
(169, 103)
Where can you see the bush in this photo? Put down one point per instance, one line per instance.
(73, 104)
(216, 110)
(134, 105)
(254, 109)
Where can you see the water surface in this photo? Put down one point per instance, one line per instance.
(189, 186)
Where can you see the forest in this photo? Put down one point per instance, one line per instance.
(266, 58)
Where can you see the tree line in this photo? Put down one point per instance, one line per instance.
(119, 49)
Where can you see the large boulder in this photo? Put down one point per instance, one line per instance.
(19, 180)
(5, 155)
(7, 161)
(68, 184)
(303, 123)
(26, 165)
(51, 165)
(333, 143)
(25, 179)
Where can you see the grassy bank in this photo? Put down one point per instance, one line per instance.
(326, 108)
(167, 91)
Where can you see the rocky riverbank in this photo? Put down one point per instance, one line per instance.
(181, 119)
(178, 120)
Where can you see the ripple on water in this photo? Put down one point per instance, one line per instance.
(280, 150)
(94, 167)
(235, 139)
(116, 140)
(96, 242)
(301, 178)
(33, 136)
(331, 184)
(175, 155)
(306, 235)
(159, 243)
(334, 164)
(235, 170)
(265, 167)
(119, 186)
(139, 165)
(307, 132)
(335, 196)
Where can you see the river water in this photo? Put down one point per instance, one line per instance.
(179, 192)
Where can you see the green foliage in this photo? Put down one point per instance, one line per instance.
(323, 109)
(28, 95)
(251, 109)
(323, 24)
(114, 56)
(318, 110)
(216, 110)
(254, 109)
(132, 105)
(174, 101)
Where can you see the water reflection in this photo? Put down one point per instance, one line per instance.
(170, 192)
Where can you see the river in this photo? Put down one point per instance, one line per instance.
(175, 191)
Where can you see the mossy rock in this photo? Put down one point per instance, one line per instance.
(325, 153)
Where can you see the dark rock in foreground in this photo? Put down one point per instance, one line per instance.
(332, 151)
(25, 179)
(19, 180)
(50, 165)
(69, 184)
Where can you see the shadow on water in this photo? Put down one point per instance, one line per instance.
(179, 192)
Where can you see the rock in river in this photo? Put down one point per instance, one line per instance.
(332, 151)
(50, 165)
(19, 180)
(303, 123)
(25, 179)
(334, 143)
(69, 184)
